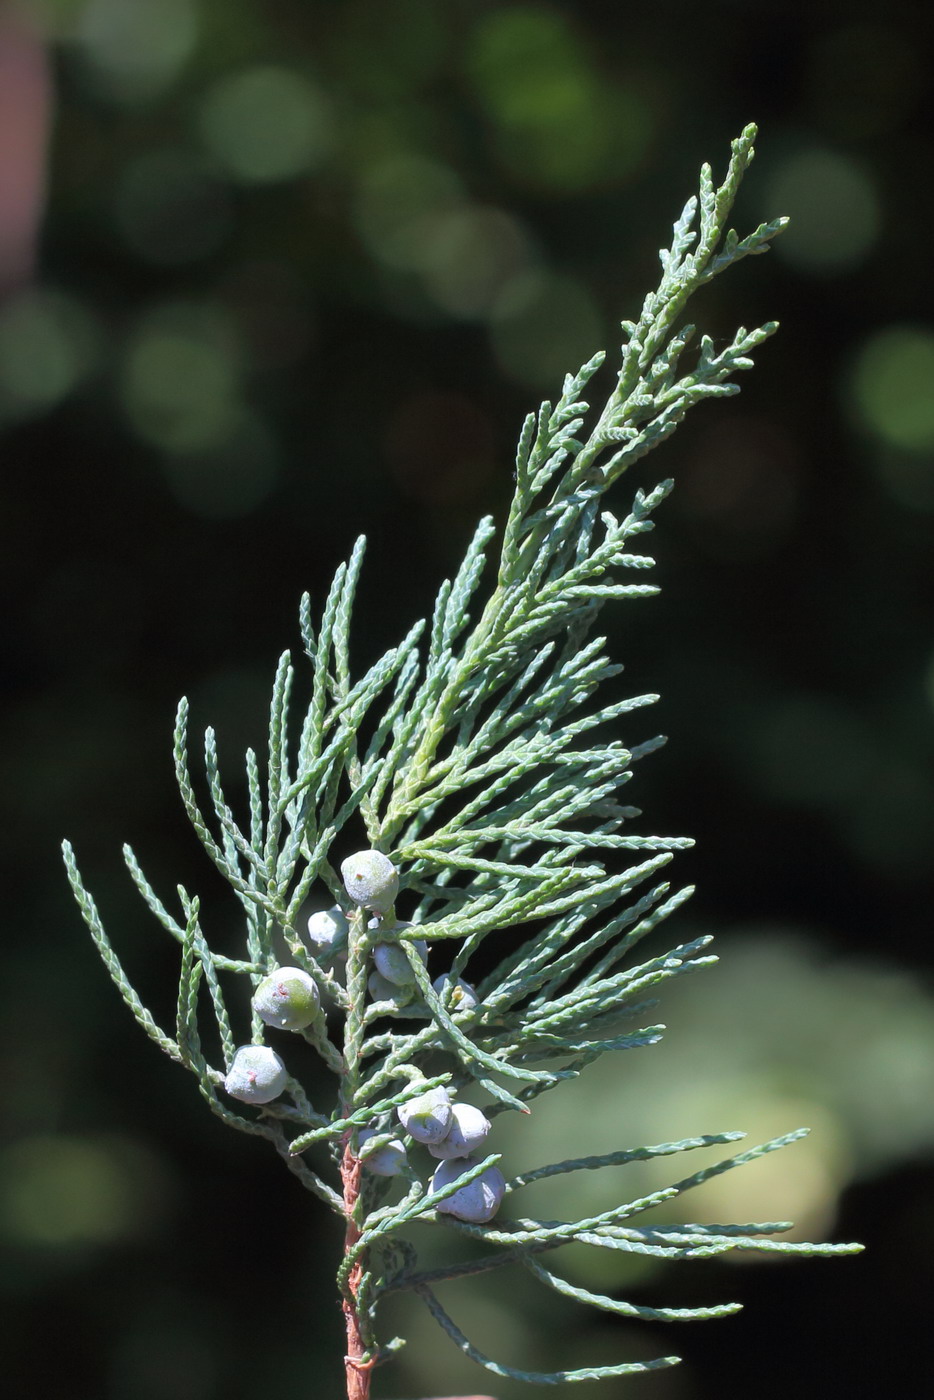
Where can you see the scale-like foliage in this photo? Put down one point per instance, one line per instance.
(477, 762)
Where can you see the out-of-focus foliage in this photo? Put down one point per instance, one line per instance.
(303, 267)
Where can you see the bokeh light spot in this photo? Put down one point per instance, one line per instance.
(133, 52)
(555, 120)
(470, 254)
(48, 345)
(839, 1045)
(395, 204)
(892, 386)
(169, 207)
(518, 52)
(180, 382)
(59, 1191)
(543, 326)
(803, 1187)
(267, 123)
(834, 210)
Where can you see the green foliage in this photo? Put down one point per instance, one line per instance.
(478, 764)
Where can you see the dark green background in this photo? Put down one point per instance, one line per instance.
(147, 553)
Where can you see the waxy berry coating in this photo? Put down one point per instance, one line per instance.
(428, 1117)
(327, 931)
(371, 879)
(287, 998)
(385, 1161)
(391, 961)
(381, 989)
(475, 1203)
(257, 1075)
(467, 1133)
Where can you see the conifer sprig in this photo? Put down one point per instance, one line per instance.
(471, 761)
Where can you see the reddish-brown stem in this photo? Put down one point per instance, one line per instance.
(358, 1369)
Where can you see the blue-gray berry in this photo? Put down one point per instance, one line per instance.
(391, 961)
(428, 1117)
(385, 1161)
(327, 932)
(466, 1135)
(475, 1203)
(371, 879)
(461, 997)
(256, 1075)
(381, 989)
(287, 998)
(397, 1001)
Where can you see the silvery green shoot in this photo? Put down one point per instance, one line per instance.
(377, 874)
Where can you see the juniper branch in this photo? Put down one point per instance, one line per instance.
(470, 759)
